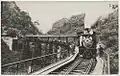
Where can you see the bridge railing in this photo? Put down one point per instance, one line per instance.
(106, 59)
(35, 63)
(23, 65)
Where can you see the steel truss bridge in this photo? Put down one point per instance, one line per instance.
(51, 54)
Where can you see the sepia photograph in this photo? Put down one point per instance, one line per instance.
(59, 37)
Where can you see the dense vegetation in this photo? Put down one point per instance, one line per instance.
(107, 27)
(14, 22)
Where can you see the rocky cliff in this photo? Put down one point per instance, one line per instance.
(68, 26)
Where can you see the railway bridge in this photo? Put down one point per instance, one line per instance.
(54, 54)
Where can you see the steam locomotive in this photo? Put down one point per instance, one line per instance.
(87, 44)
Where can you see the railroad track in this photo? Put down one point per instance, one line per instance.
(77, 67)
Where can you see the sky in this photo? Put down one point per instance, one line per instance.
(46, 13)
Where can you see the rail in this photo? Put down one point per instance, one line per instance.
(55, 66)
(74, 66)
(89, 67)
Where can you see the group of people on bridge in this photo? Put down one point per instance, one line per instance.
(75, 48)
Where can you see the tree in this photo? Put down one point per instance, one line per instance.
(113, 6)
(107, 28)
(14, 18)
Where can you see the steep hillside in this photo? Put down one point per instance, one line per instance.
(68, 26)
(15, 21)
(107, 27)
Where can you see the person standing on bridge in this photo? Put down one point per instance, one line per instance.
(100, 50)
(76, 49)
(59, 54)
(86, 31)
(80, 42)
(93, 34)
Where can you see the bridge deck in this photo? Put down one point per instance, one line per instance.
(99, 67)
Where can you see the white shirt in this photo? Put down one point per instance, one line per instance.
(91, 32)
(81, 39)
(76, 49)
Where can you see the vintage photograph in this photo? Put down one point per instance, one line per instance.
(59, 38)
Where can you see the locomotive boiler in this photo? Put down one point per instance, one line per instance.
(87, 46)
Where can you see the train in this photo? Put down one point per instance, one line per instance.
(87, 43)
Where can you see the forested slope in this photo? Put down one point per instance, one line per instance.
(14, 22)
(107, 27)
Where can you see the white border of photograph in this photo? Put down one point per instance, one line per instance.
(66, 0)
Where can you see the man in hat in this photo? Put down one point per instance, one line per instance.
(86, 31)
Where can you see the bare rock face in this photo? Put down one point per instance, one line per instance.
(59, 23)
(68, 26)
